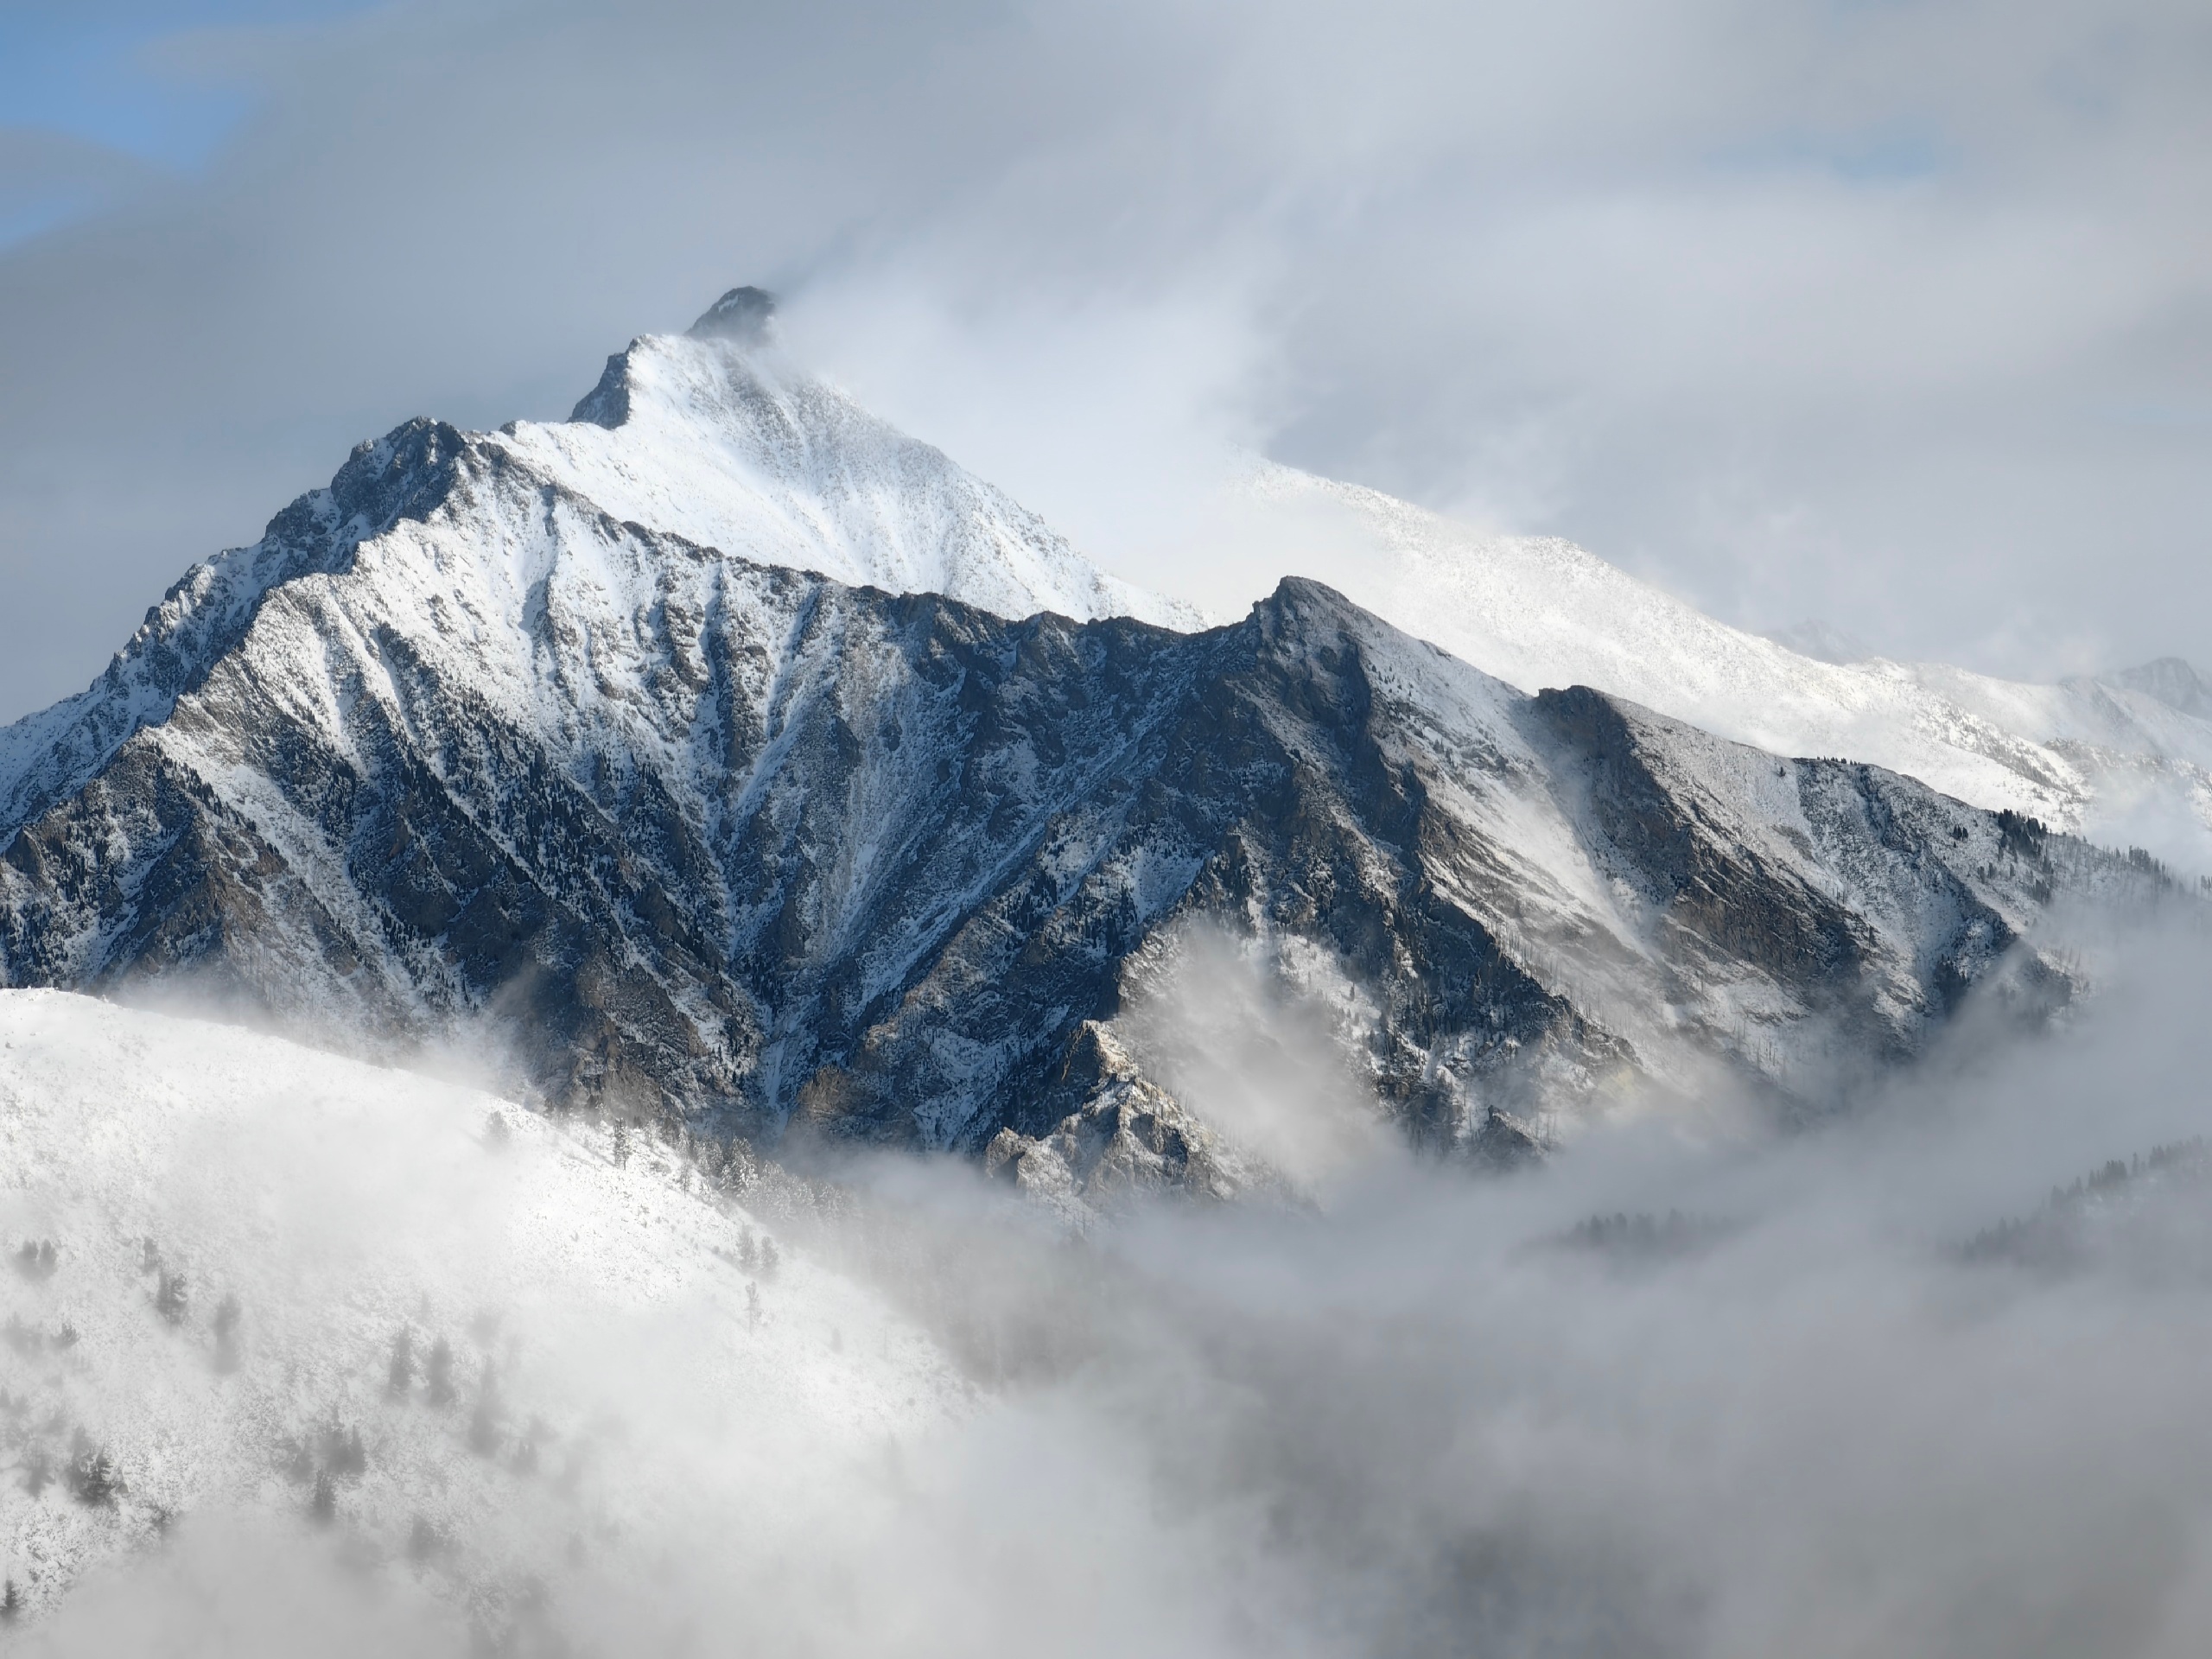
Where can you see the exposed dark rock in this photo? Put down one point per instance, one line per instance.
(743, 314)
(696, 834)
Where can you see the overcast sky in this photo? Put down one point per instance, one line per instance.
(1893, 314)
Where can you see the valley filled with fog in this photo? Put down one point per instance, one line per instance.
(1340, 833)
(1923, 1378)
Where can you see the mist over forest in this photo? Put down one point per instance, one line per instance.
(1924, 1377)
(1336, 833)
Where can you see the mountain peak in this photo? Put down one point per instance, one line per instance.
(2173, 682)
(742, 314)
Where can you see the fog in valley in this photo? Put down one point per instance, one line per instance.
(1348, 833)
(1928, 1376)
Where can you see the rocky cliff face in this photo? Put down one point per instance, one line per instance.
(455, 749)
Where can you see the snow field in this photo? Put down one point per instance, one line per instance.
(614, 1387)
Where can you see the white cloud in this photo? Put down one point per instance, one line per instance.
(1895, 314)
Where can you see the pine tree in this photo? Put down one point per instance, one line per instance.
(343, 1453)
(174, 1298)
(484, 1422)
(401, 1377)
(227, 1313)
(36, 1260)
(323, 1506)
(92, 1477)
(440, 1375)
(12, 1603)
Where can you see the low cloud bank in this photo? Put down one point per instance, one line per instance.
(1737, 1395)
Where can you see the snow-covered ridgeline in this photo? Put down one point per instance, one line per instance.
(722, 441)
(46, 755)
(2105, 760)
(713, 436)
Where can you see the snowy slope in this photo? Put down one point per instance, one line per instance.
(2111, 762)
(614, 1393)
(755, 846)
(467, 746)
(716, 436)
(713, 436)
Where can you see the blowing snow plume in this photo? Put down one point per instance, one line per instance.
(1925, 1379)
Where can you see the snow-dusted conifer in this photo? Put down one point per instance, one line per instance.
(227, 1313)
(92, 1477)
(484, 1434)
(439, 1374)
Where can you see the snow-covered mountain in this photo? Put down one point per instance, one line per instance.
(712, 436)
(484, 740)
(2125, 761)
(522, 1364)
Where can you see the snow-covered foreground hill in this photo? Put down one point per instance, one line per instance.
(475, 1354)
(2108, 759)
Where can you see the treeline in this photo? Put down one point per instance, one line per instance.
(2051, 1236)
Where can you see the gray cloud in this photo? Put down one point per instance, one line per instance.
(1439, 1414)
(1895, 314)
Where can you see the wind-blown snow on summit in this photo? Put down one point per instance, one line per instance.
(714, 436)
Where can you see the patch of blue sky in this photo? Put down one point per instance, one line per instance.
(24, 217)
(92, 69)
(1885, 156)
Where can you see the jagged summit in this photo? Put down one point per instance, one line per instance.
(745, 314)
(715, 436)
(699, 436)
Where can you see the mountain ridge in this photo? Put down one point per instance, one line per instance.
(2108, 759)
(465, 749)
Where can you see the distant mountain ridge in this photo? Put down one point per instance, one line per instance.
(2173, 682)
(2125, 760)
(478, 741)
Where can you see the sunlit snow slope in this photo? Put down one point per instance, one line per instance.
(242, 1229)
(715, 436)
(2112, 761)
